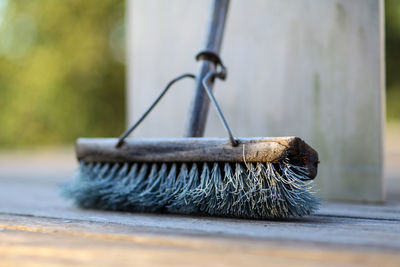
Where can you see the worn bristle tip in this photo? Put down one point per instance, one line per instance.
(252, 190)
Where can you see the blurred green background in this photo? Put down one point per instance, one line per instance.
(392, 28)
(62, 70)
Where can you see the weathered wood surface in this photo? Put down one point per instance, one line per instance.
(35, 241)
(199, 150)
(334, 224)
(39, 228)
(358, 226)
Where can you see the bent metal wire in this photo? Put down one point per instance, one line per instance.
(220, 74)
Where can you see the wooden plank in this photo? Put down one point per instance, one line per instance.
(39, 227)
(199, 150)
(388, 211)
(43, 200)
(43, 242)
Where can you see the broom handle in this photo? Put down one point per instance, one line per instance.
(199, 107)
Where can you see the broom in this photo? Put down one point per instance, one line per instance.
(260, 178)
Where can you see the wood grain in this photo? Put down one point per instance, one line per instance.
(48, 242)
(199, 150)
(39, 228)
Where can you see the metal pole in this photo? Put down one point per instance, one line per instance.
(199, 107)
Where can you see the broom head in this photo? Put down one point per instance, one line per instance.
(260, 178)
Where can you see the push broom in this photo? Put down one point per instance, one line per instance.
(236, 177)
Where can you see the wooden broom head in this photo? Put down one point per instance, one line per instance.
(249, 150)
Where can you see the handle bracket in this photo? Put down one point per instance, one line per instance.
(210, 76)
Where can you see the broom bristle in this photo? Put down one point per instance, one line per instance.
(253, 190)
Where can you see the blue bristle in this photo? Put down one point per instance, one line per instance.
(253, 190)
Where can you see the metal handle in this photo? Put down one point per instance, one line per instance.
(199, 108)
(208, 72)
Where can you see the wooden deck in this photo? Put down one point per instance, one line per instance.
(38, 228)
